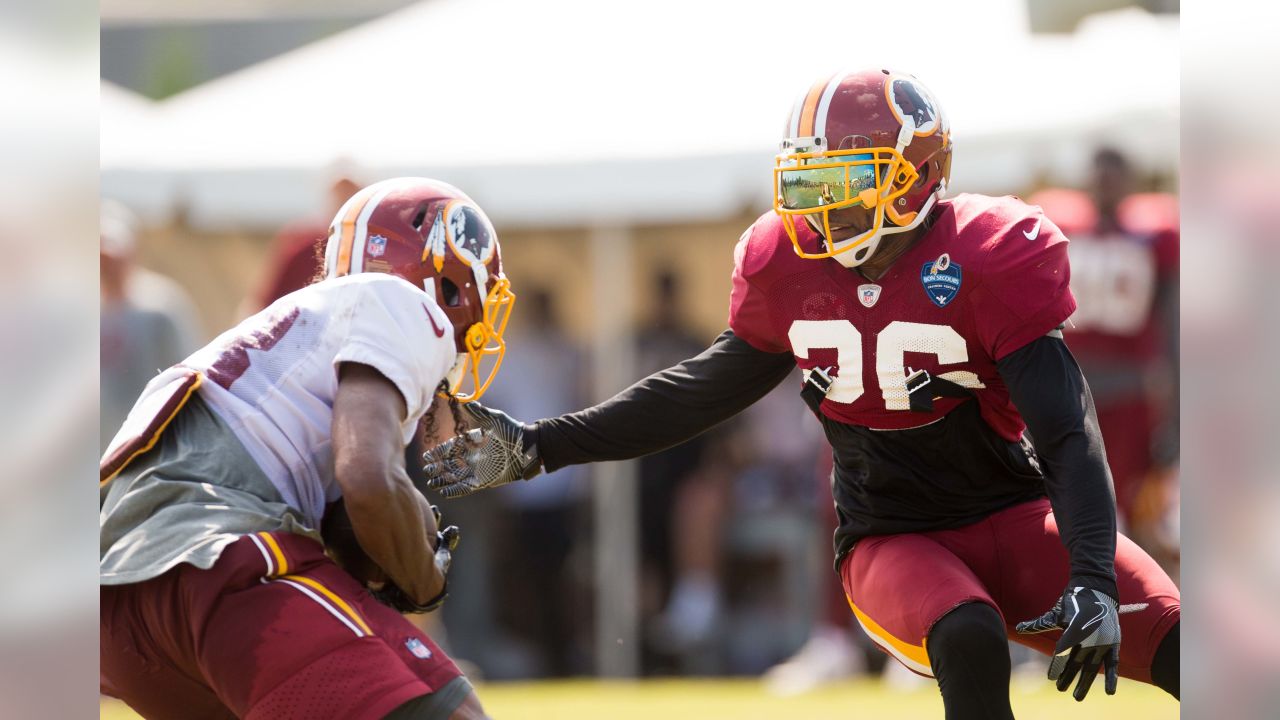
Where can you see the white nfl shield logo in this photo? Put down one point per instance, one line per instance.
(377, 246)
(868, 294)
(419, 650)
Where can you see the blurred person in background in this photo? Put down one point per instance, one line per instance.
(295, 252)
(836, 648)
(929, 331)
(1124, 274)
(259, 535)
(148, 321)
(768, 509)
(543, 635)
(682, 506)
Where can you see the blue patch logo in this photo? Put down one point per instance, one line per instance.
(941, 280)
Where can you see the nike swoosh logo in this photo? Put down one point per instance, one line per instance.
(1102, 612)
(439, 330)
(1034, 232)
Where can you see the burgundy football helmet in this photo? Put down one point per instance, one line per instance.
(874, 139)
(431, 234)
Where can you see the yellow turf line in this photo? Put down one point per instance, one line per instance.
(747, 700)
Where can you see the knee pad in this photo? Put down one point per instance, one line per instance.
(972, 632)
(969, 653)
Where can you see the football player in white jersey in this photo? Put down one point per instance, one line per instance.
(217, 596)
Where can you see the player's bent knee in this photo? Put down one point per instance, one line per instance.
(973, 631)
(969, 653)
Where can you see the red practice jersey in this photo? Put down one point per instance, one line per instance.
(990, 275)
(1117, 277)
(1126, 326)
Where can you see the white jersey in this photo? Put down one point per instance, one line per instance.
(273, 378)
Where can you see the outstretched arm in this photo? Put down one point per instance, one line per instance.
(660, 411)
(664, 409)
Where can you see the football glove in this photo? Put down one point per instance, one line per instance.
(391, 595)
(1090, 624)
(490, 454)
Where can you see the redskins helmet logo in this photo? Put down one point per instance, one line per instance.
(910, 99)
(469, 233)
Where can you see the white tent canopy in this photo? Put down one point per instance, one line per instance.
(573, 111)
(127, 123)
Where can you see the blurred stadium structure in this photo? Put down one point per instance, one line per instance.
(605, 158)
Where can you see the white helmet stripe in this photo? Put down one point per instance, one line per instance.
(820, 120)
(793, 125)
(362, 226)
(481, 274)
(333, 246)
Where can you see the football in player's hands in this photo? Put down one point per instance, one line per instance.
(341, 544)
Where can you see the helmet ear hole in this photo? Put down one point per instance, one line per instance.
(420, 216)
(449, 293)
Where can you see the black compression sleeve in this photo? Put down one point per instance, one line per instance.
(666, 408)
(1049, 391)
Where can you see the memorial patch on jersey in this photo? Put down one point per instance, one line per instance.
(941, 280)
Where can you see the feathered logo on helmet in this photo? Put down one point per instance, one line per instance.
(910, 99)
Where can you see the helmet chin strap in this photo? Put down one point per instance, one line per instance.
(868, 241)
(871, 239)
(481, 275)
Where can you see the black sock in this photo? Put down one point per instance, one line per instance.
(1167, 664)
(970, 657)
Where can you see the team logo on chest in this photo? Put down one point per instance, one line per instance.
(868, 294)
(941, 280)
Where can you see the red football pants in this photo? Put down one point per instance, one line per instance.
(273, 630)
(1014, 561)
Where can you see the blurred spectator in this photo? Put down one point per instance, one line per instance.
(836, 648)
(296, 251)
(1124, 273)
(533, 529)
(735, 502)
(147, 322)
(681, 504)
(771, 570)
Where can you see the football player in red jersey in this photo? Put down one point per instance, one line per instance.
(929, 332)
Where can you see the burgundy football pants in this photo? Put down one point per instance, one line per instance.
(1013, 561)
(273, 630)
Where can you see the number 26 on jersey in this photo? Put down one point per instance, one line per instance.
(891, 345)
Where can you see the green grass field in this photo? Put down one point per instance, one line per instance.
(747, 700)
